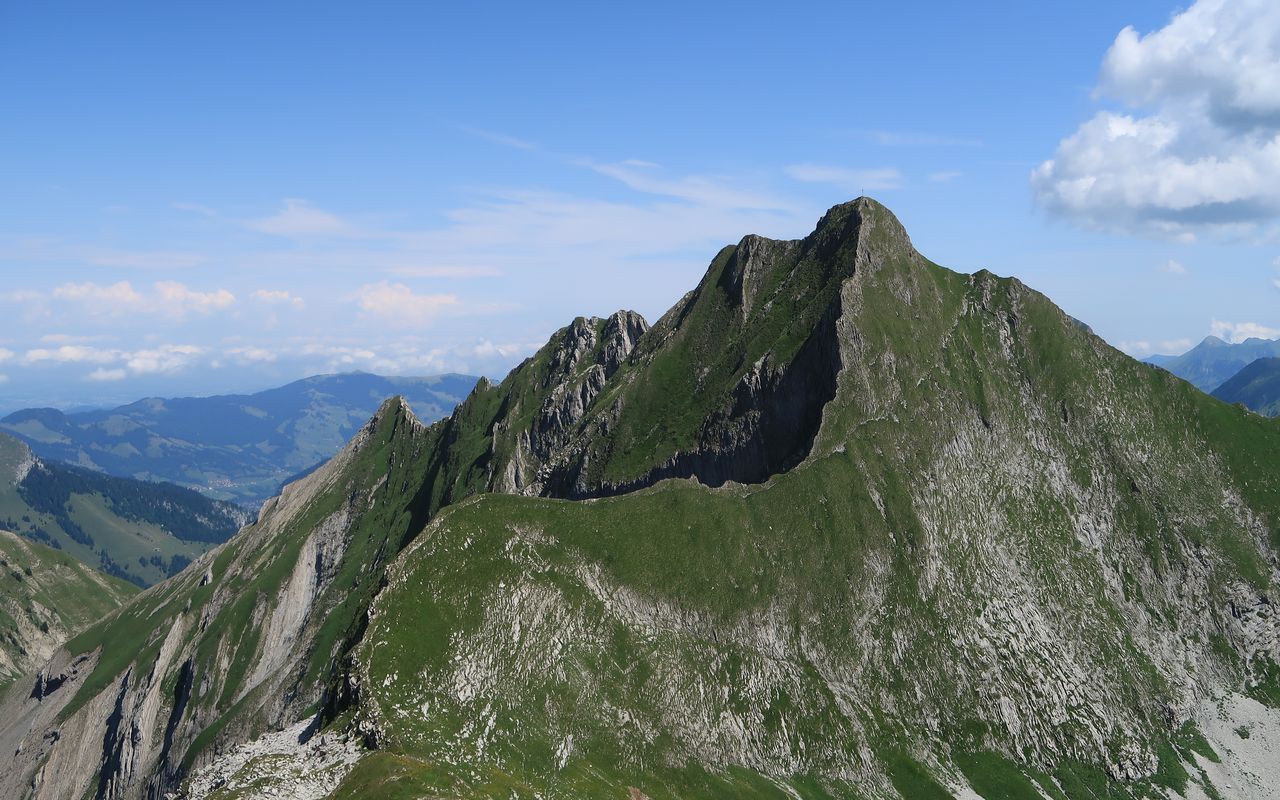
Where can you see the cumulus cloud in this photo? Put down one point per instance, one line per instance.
(168, 358)
(102, 374)
(170, 298)
(299, 219)
(173, 296)
(1239, 331)
(160, 359)
(1143, 347)
(850, 180)
(398, 304)
(487, 349)
(1173, 267)
(1197, 147)
(252, 353)
(71, 354)
(5, 355)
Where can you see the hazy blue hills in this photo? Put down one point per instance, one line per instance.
(1256, 387)
(232, 447)
(1213, 361)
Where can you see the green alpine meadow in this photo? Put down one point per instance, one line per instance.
(841, 524)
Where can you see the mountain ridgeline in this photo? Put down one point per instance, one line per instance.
(229, 447)
(1213, 361)
(841, 524)
(1256, 387)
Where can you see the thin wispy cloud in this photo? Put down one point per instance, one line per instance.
(299, 219)
(399, 305)
(853, 181)
(50, 250)
(704, 190)
(499, 138)
(886, 138)
(278, 297)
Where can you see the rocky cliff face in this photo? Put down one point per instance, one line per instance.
(240, 643)
(932, 538)
(46, 597)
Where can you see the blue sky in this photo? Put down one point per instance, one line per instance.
(218, 197)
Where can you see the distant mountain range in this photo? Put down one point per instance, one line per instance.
(1256, 387)
(231, 447)
(1213, 361)
(134, 530)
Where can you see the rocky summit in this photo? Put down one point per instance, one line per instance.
(841, 524)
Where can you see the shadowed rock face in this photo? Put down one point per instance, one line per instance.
(934, 531)
(755, 348)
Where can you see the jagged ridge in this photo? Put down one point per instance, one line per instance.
(986, 543)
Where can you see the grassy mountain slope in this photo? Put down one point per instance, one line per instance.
(46, 597)
(1003, 533)
(142, 532)
(1213, 361)
(1257, 387)
(231, 447)
(940, 539)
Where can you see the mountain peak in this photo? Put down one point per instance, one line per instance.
(847, 219)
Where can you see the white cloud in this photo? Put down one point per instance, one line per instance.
(5, 355)
(487, 349)
(169, 298)
(164, 359)
(397, 304)
(101, 374)
(71, 354)
(1173, 267)
(161, 359)
(851, 180)
(117, 296)
(252, 353)
(278, 297)
(299, 219)
(1199, 148)
(946, 176)
(1239, 331)
(174, 297)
